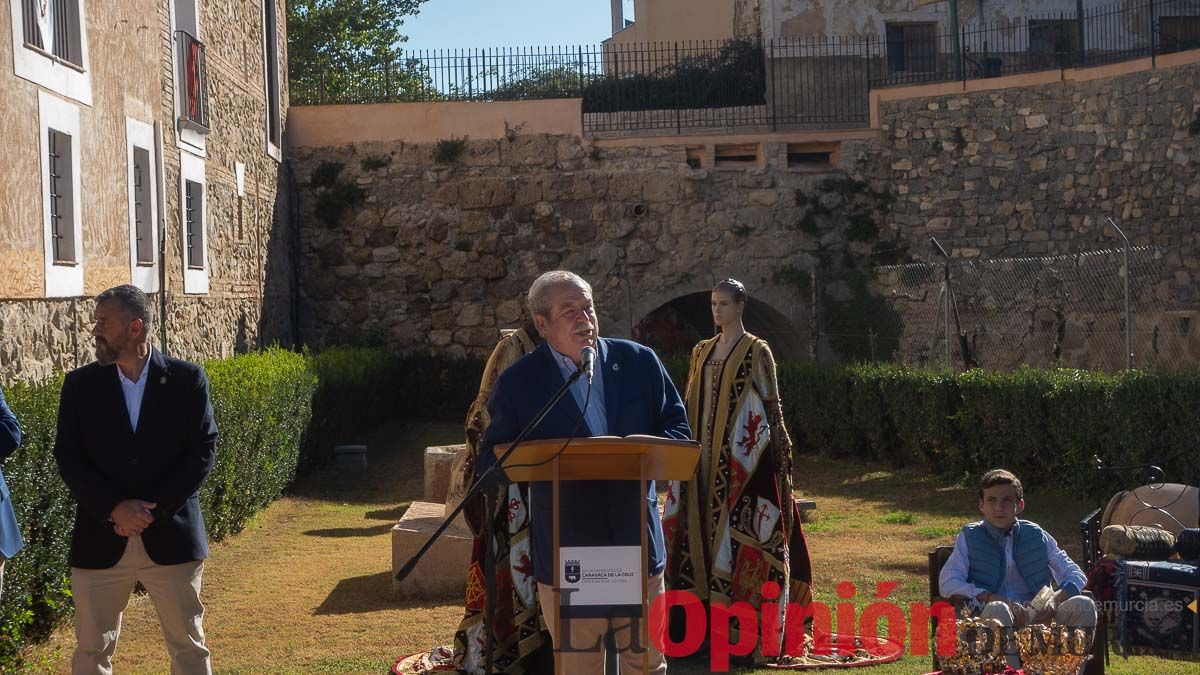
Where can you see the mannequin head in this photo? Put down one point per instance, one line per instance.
(728, 303)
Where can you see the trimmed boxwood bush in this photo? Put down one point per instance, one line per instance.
(36, 581)
(361, 387)
(1045, 425)
(262, 403)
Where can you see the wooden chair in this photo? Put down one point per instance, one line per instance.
(937, 560)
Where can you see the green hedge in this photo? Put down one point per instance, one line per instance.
(362, 387)
(1045, 425)
(262, 403)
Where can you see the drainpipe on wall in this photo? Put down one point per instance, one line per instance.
(293, 245)
(160, 169)
(958, 64)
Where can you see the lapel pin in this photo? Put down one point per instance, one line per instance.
(616, 367)
(162, 380)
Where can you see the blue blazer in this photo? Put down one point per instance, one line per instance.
(10, 438)
(639, 398)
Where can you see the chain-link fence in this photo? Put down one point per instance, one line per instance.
(1065, 310)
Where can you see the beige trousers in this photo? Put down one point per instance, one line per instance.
(585, 633)
(101, 597)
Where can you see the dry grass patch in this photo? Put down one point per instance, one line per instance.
(306, 588)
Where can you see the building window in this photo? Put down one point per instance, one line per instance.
(142, 225)
(1176, 33)
(191, 76)
(1057, 38)
(738, 156)
(911, 47)
(141, 148)
(62, 207)
(50, 46)
(193, 219)
(53, 26)
(193, 83)
(271, 42)
(63, 231)
(811, 157)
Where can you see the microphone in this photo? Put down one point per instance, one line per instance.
(588, 365)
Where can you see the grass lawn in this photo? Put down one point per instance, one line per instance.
(306, 587)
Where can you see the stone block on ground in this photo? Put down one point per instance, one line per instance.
(461, 465)
(442, 573)
(439, 462)
(350, 455)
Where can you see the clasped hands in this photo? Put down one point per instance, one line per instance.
(1023, 614)
(132, 516)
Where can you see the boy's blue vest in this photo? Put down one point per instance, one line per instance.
(985, 555)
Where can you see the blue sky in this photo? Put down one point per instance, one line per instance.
(492, 23)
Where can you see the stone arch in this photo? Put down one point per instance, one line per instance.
(673, 327)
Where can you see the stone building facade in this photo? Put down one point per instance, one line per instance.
(144, 145)
(678, 20)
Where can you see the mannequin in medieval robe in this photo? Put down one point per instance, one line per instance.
(521, 645)
(734, 525)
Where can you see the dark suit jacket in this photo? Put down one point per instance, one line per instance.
(10, 439)
(104, 462)
(639, 398)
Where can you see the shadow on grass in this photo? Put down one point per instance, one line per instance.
(394, 473)
(340, 532)
(892, 490)
(369, 593)
(393, 514)
(926, 495)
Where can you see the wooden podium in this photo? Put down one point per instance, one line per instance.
(639, 458)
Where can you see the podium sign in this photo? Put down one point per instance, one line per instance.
(601, 575)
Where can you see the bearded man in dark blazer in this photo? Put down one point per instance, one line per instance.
(136, 440)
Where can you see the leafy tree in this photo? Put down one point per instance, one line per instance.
(337, 30)
(348, 51)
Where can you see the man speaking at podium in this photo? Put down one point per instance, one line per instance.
(631, 393)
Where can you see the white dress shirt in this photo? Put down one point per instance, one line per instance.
(134, 390)
(595, 415)
(953, 579)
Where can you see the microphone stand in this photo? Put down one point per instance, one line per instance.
(487, 486)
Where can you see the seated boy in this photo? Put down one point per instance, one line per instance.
(1002, 562)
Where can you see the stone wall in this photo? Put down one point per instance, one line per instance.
(44, 336)
(1036, 171)
(439, 254)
